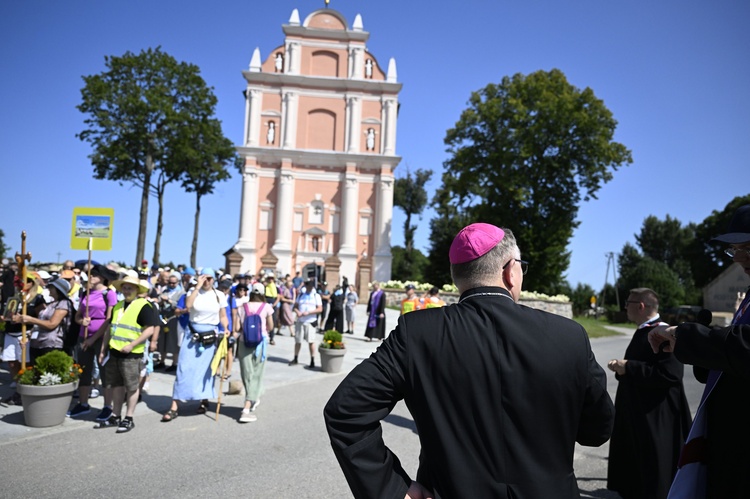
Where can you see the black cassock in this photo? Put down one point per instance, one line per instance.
(652, 421)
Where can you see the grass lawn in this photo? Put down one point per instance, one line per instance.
(595, 327)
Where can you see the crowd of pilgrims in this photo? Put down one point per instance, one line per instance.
(72, 310)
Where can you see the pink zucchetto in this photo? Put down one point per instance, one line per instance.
(473, 241)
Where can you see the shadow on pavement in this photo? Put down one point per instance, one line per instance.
(14, 418)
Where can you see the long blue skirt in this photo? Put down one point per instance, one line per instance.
(194, 380)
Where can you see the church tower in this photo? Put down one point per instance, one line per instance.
(319, 151)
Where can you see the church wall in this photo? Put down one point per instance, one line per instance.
(324, 20)
(367, 203)
(326, 62)
(321, 123)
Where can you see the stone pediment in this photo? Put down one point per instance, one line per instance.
(315, 231)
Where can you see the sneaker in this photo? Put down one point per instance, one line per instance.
(109, 423)
(125, 425)
(293, 362)
(94, 393)
(254, 405)
(75, 393)
(247, 417)
(79, 410)
(104, 414)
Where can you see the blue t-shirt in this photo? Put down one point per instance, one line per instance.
(231, 305)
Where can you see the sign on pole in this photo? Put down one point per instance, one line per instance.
(92, 225)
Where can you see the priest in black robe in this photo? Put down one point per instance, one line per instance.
(652, 416)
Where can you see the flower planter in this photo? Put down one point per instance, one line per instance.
(331, 359)
(46, 405)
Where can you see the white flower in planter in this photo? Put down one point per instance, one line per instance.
(49, 379)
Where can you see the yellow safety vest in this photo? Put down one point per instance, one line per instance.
(125, 328)
(409, 305)
(271, 290)
(434, 304)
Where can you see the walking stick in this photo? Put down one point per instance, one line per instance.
(221, 387)
(20, 260)
(88, 292)
(221, 353)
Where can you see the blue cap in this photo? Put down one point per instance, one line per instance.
(189, 271)
(208, 271)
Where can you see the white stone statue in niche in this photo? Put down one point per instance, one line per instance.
(279, 63)
(271, 134)
(368, 68)
(370, 139)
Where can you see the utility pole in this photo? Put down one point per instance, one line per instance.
(610, 260)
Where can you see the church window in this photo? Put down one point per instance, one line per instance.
(364, 226)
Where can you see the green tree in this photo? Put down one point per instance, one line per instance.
(707, 258)
(524, 155)
(3, 248)
(639, 271)
(137, 111)
(668, 241)
(580, 297)
(443, 228)
(410, 195)
(205, 155)
(408, 268)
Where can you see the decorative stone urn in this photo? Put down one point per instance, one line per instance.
(331, 359)
(46, 405)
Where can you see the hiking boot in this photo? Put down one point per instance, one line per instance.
(125, 425)
(293, 362)
(104, 414)
(79, 410)
(112, 422)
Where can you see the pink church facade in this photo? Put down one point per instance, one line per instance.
(319, 151)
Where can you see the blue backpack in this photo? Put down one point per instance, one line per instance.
(252, 327)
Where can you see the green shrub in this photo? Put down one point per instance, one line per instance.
(332, 339)
(52, 368)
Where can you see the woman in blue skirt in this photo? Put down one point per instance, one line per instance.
(194, 380)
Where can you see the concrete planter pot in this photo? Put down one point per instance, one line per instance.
(46, 405)
(331, 359)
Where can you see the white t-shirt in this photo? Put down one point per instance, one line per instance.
(205, 309)
(307, 302)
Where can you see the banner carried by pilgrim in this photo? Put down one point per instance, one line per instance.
(94, 226)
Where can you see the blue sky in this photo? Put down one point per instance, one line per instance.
(675, 74)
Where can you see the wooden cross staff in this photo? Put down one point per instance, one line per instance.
(21, 259)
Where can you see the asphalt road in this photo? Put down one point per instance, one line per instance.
(284, 454)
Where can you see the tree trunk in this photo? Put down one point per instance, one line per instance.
(194, 248)
(159, 224)
(408, 233)
(140, 249)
